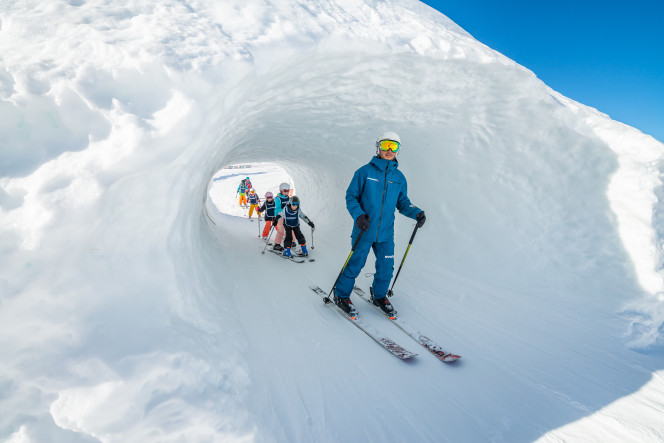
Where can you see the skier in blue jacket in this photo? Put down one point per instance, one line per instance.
(376, 191)
(282, 199)
(291, 215)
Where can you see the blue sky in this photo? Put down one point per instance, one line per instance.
(605, 54)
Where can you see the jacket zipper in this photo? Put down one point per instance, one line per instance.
(380, 219)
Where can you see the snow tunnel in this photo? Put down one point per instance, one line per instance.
(505, 242)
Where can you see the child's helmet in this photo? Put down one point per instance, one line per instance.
(295, 199)
(268, 194)
(284, 186)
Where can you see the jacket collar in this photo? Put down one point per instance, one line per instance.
(383, 164)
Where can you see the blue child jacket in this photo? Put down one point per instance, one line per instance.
(377, 189)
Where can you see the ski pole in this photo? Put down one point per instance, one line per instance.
(268, 240)
(259, 225)
(327, 299)
(312, 238)
(390, 293)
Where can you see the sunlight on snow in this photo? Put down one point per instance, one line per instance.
(263, 176)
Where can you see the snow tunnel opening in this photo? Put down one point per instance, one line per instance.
(224, 194)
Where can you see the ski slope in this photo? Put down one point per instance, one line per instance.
(133, 308)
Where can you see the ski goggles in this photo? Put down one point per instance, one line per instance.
(389, 145)
(294, 204)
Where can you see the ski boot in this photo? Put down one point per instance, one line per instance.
(287, 253)
(278, 247)
(305, 253)
(346, 305)
(384, 305)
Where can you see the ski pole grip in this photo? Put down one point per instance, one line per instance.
(412, 237)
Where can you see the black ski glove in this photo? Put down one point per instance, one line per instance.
(362, 222)
(421, 218)
(311, 224)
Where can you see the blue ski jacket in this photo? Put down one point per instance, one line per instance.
(282, 202)
(377, 189)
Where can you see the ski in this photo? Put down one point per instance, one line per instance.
(297, 257)
(422, 339)
(293, 259)
(307, 257)
(385, 342)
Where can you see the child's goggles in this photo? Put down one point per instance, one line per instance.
(389, 145)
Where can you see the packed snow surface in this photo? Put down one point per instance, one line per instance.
(134, 308)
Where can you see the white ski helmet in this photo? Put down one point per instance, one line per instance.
(389, 135)
(284, 186)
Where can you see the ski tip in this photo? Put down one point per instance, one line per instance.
(450, 358)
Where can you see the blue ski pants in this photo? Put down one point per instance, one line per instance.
(384, 252)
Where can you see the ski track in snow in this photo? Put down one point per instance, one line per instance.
(134, 310)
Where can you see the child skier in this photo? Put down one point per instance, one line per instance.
(291, 216)
(242, 190)
(268, 208)
(282, 201)
(254, 201)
